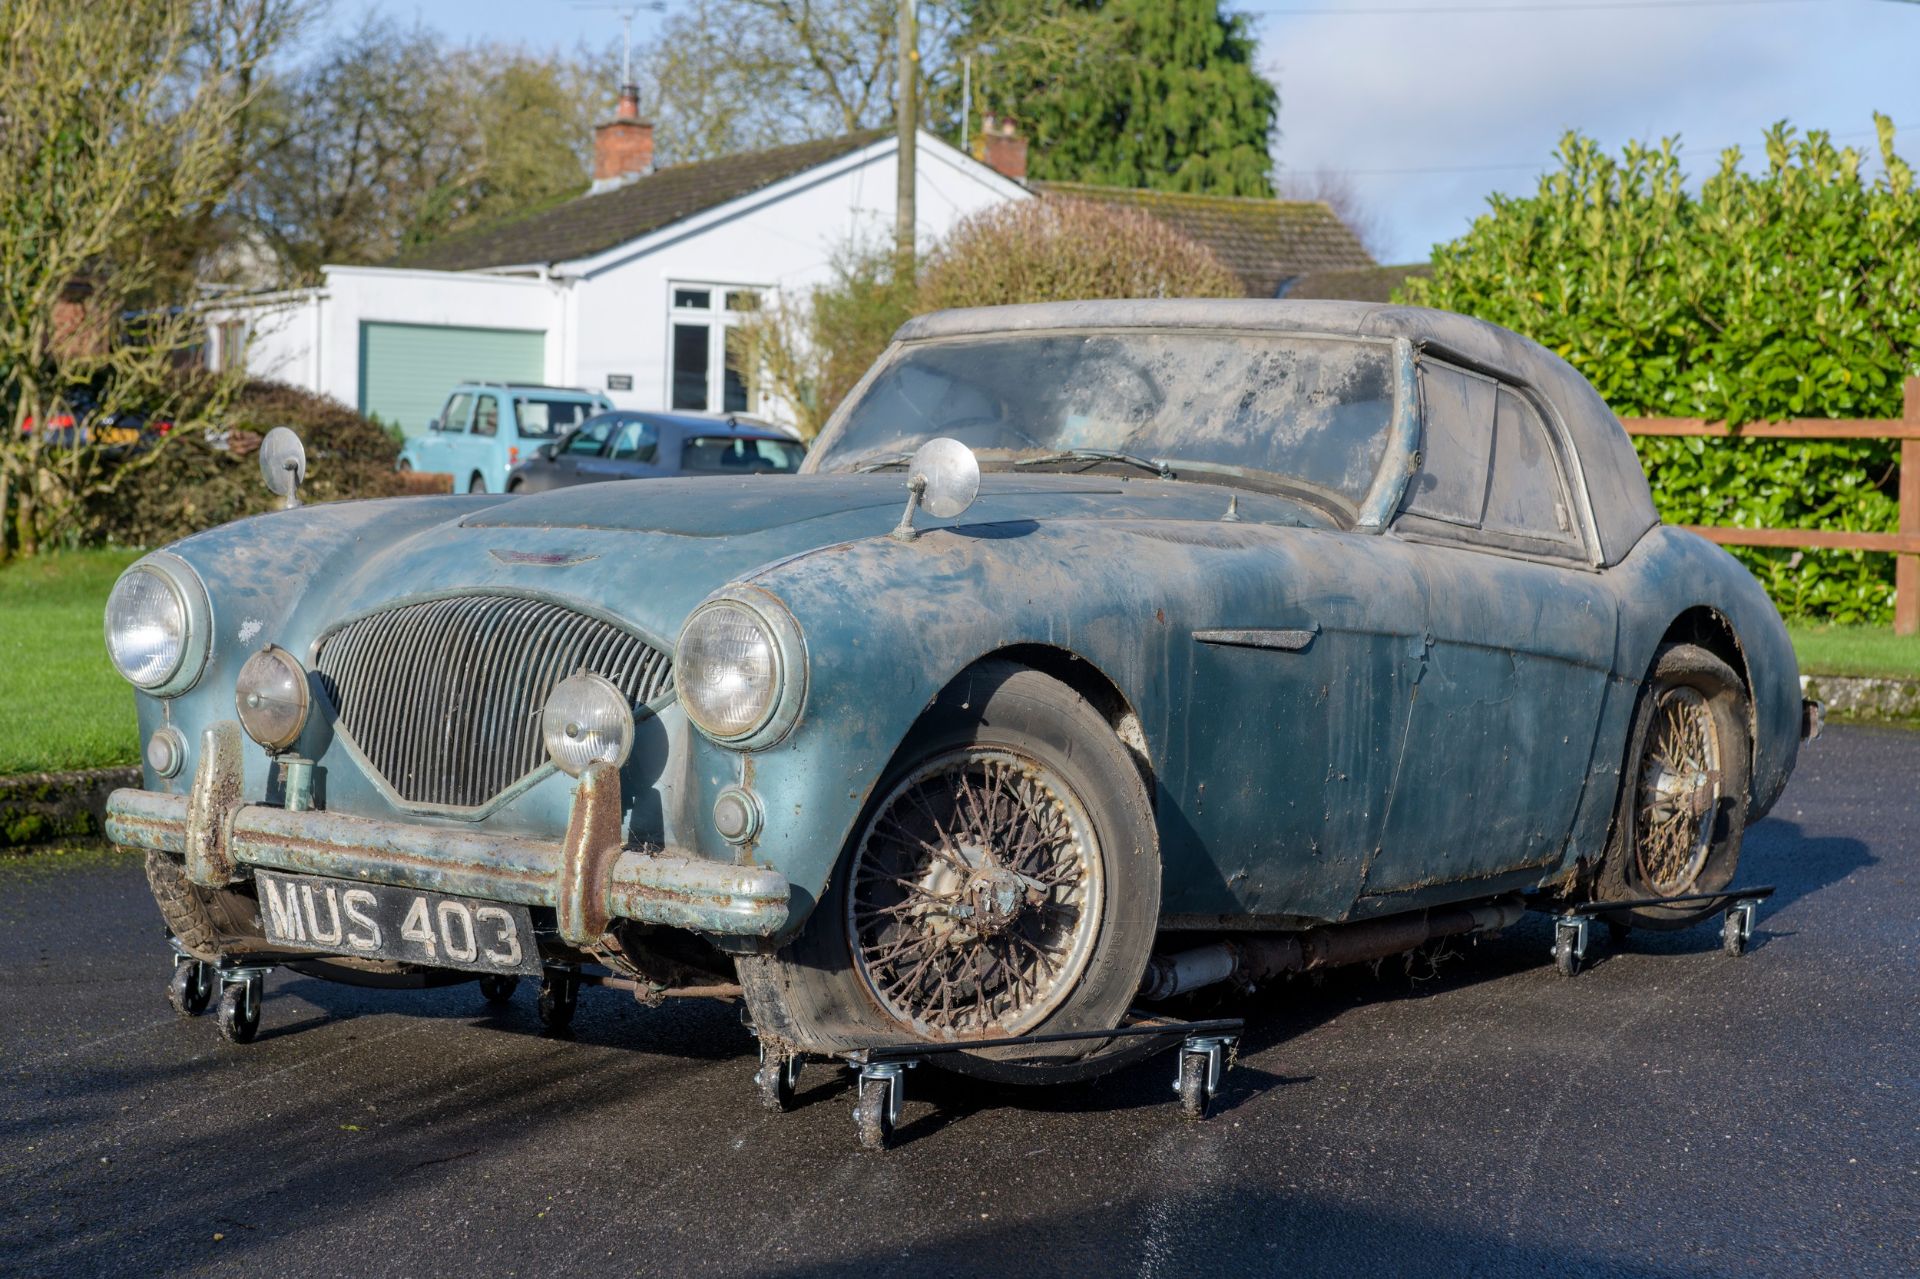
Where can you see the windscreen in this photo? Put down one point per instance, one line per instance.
(1316, 411)
(543, 419)
(734, 455)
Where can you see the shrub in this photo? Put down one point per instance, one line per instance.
(206, 478)
(1789, 292)
(1061, 250)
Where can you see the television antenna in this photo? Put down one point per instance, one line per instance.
(627, 13)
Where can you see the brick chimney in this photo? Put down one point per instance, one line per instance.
(622, 146)
(1000, 146)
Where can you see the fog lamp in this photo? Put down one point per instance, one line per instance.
(586, 721)
(271, 696)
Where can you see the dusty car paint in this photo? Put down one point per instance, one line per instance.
(1451, 725)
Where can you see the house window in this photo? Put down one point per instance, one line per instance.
(708, 352)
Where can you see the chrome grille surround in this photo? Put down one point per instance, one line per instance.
(442, 697)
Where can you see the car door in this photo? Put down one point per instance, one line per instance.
(632, 453)
(436, 449)
(1296, 702)
(478, 451)
(582, 449)
(1519, 641)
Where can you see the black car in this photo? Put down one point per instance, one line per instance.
(630, 445)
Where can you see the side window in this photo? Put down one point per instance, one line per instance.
(486, 415)
(1457, 410)
(1526, 496)
(592, 437)
(636, 442)
(458, 410)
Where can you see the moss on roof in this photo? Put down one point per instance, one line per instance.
(1264, 242)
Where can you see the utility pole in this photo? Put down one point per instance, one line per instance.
(906, 113)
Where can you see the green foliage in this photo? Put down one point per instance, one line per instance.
(204, 479)
(1161, 94)
(1792, 291)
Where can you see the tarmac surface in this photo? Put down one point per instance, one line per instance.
(1670, 1111)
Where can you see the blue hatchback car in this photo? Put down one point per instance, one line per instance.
(488, 428)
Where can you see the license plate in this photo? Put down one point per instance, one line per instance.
(375, 921)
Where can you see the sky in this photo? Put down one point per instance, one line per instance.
(1429, 105)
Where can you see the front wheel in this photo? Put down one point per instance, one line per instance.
(1004, 880)
(1683, 796)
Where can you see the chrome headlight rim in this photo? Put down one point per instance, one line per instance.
(196, 607)
(249, 682)
(622, 723)
(789, 648)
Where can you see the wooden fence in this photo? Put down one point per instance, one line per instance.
(1904, 545)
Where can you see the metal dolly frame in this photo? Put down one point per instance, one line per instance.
(1571, 924)
(1206, 1052)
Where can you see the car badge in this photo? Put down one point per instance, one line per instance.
(545, 559)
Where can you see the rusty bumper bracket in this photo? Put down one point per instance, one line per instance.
(589, 879)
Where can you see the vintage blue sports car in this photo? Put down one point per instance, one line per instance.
(1100, 651)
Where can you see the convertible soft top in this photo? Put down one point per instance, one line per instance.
(1616, 486)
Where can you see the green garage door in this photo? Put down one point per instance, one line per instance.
(406, 370)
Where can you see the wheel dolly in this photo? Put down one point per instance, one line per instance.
(1206, 1052)
(1571, 924)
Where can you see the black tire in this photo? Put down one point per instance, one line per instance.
(777, 1080)
(190, 989)
(405, 467)
(871, 1116)
(515, 484)
(498, 989)
(813, 994)
(559, 1000)
(1732, 940)
(1564, 960)
(208, 923)
(1195, 1099)
(476, 483)
(239, 1016)
(1691, 682)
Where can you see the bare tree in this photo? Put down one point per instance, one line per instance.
(1338, 190)
(117, 122)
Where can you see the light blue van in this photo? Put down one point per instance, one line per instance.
(487, 428)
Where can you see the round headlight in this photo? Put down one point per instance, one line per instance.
(159, 624)
(586, 721)
(271, 696)
(727, 670)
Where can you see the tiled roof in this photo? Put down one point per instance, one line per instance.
(1363, 284)
(594, 223)
(1264, 242)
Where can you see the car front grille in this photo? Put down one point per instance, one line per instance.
(443, 697)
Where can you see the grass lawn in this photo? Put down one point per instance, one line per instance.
(61, 703)
(1855, 650)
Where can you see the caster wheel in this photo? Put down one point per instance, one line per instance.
(1733, 939)
(559, 998)
(190, 989)
(1565, 959)
(778, 1079)
(1196, 1099)
(498, 990)
(872, 1114)
(239, 1014)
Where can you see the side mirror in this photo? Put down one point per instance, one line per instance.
(283, 465)
(545, 452)
(944, 477)
(433, 424)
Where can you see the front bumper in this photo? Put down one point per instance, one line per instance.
(589, 878)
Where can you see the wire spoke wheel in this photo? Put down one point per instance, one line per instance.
(1678, 792)
(976, 895)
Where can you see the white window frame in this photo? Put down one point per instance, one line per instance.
(719, 321)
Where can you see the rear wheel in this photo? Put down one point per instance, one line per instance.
(476, 483)
(1004, 880)
(1683, 798)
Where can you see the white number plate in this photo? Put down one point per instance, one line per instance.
(375, 921)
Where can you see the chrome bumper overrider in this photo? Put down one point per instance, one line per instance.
(589, 878)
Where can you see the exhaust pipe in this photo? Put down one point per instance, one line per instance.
(1259, 958)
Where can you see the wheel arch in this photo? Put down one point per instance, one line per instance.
(1100, 690)
(1708, 628)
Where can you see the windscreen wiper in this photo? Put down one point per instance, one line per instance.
(883, 462)
(1095, 456)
